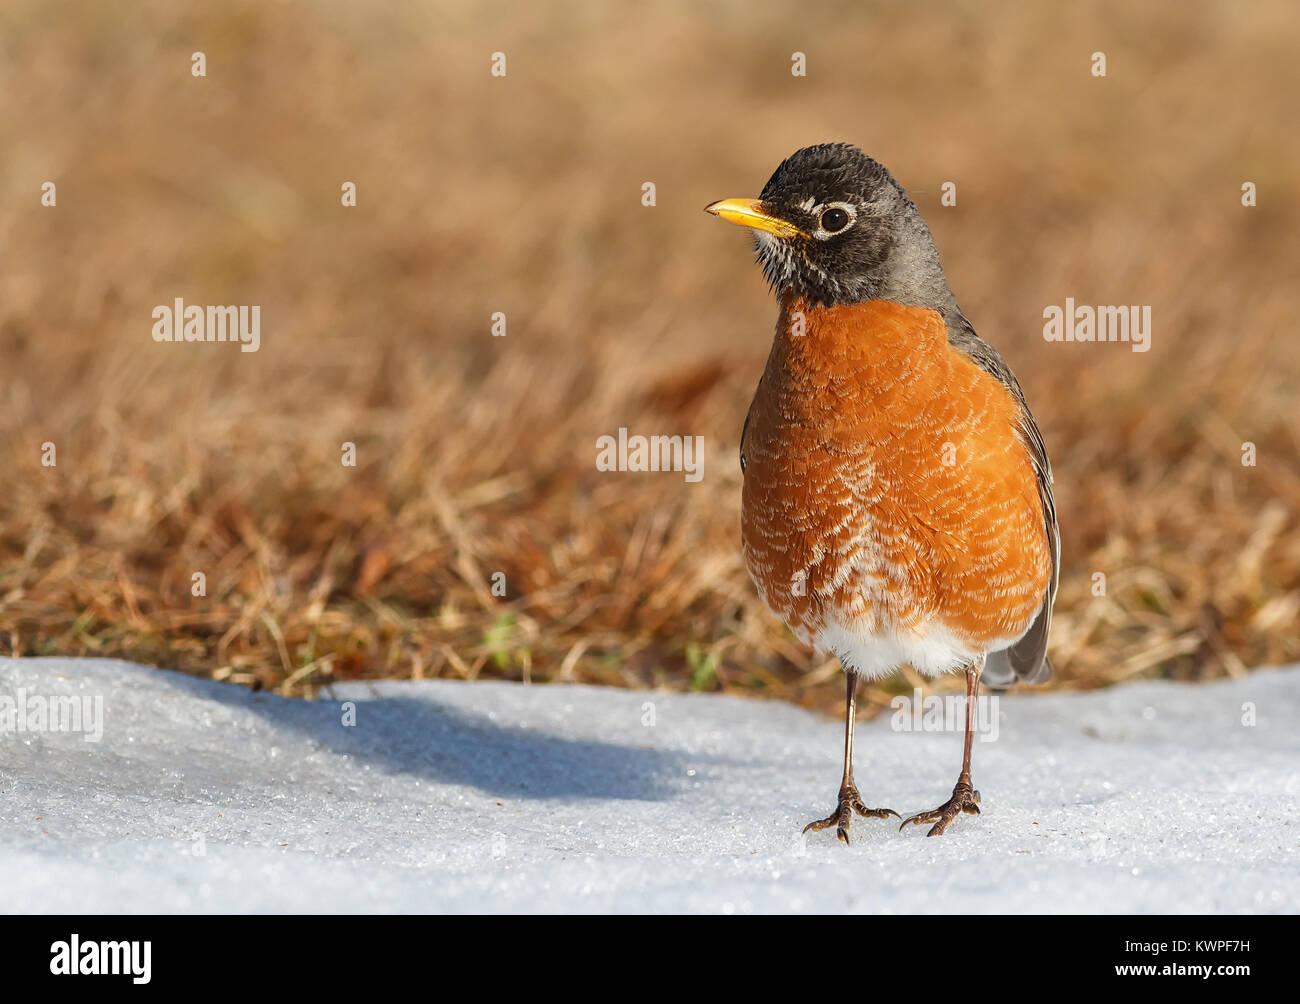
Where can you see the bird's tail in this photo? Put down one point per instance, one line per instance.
(1026, 661)
(999, 672)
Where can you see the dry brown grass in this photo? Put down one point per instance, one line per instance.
(522, 195)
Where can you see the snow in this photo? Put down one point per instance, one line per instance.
(475, 797)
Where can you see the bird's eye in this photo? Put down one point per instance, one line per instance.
(834, 219)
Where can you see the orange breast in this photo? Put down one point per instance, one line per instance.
(885, 483)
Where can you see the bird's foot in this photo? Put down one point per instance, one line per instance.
(964, 799)
(849, 803)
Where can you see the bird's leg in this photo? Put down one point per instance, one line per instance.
(964, 797)
(849, 801)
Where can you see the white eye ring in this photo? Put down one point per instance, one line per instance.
(825, 235)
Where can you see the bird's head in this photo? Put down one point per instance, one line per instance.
(833, 226)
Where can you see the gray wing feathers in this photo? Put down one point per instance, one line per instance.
(1026, 660)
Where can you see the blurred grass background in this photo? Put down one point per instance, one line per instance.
(521, 194)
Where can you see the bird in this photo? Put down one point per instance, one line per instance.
(897, 504)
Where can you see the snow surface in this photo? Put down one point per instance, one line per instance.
(448, 796)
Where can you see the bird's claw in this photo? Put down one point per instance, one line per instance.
(964, 799)
(849, 802)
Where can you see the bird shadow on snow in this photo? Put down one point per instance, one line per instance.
(422, 737)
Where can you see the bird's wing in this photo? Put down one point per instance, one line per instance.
(745, 428)
(1027, 659)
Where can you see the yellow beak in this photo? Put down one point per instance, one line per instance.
(750, 213)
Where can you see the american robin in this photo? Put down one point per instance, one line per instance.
(897, 505)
